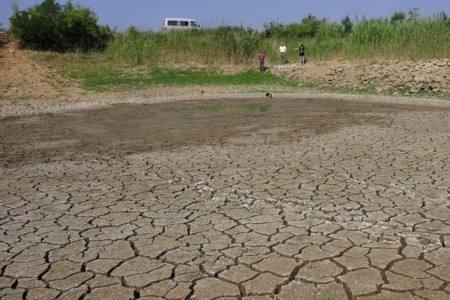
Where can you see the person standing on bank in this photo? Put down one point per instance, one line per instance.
(301, 53)
(283, 50)
(262, 60)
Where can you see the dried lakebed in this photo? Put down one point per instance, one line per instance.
(246, 199)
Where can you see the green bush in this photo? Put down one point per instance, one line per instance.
(51, 26)
(308, 28)
(347, 26)
(398, 16)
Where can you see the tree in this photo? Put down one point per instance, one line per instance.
(398, 17)
(78, 29)
(442, 16)
(51, 26)
(414, 13)
(36, 26)
(347, 26)
(310, 26)
(272, 28)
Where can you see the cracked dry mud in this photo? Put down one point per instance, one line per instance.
(310, 199)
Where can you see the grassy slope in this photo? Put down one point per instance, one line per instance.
(96, 72)
(117, 79)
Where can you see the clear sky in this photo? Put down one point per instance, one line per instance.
(148, 14)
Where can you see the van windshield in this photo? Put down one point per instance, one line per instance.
(194, 24)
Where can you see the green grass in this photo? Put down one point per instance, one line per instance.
(96, 72)
(189, 77)
(114, 79)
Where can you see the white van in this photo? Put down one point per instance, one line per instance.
(179, 23)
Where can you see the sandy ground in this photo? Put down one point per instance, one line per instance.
(309, 198)
(23, 78)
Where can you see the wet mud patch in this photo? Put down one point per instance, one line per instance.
(134, 128)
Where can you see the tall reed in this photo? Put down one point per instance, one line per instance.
(415, 39)
(419, 38)
(233, 45)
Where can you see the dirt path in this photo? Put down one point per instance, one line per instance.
(241, 199)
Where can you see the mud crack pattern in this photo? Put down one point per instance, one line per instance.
(359, 213)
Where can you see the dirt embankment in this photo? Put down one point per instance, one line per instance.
(406, 77)
(22, 78)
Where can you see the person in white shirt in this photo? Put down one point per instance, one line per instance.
(283, 51)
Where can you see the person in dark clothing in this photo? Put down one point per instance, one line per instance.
(262, 59)
(301, 54)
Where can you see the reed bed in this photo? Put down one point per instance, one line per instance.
(414, 39)
(420, 38)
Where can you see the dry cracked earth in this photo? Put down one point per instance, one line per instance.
(297, 200)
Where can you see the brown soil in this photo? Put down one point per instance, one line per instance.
(132, 128)
(22, 78)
